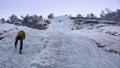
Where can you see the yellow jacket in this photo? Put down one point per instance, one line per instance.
(21, 34)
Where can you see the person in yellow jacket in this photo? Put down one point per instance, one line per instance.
(20, 36)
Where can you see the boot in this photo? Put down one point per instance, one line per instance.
(20, 52)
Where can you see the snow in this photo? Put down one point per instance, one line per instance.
(113, 48)
(6, 26)
(111, 29)
(61, 23)
(59, 47)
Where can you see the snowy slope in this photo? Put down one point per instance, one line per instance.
(111, 29)
(57, 47)
(105, 41)
(61, 23)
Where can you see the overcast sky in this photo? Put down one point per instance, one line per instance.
(58, 7)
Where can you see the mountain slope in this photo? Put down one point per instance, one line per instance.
(54, 48)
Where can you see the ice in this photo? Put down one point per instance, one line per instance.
(59, 47)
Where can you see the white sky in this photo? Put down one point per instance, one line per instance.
(58, 7)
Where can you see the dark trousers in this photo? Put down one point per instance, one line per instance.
(21, 42)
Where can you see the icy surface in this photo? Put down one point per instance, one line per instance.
(61, 23)
(58, 47)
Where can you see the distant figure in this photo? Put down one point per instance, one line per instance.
(20, 36)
